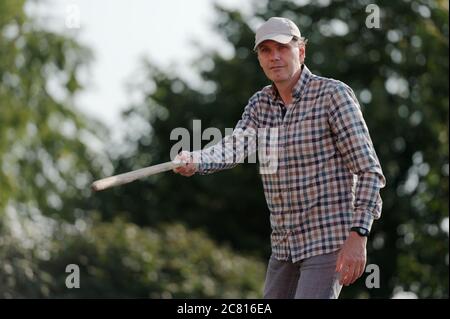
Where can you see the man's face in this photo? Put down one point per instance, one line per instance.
(280, 62)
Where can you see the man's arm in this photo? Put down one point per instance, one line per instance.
(355, 145)
(229, 152)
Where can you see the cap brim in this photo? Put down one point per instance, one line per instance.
(280, 38)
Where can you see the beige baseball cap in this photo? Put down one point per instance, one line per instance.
(278, 29)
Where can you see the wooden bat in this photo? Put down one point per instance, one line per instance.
(125, 178)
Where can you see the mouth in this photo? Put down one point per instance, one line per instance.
(273, 68)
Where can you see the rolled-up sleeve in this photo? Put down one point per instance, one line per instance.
(356, 147)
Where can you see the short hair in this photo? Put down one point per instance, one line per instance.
(301, 40)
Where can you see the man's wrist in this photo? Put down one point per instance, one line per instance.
(361, 231)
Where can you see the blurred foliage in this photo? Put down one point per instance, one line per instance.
(123, 260)
(400, 74)
(45, 162)
(49, 154)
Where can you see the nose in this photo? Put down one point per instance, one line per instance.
(275, 55)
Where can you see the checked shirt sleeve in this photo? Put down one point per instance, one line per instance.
(355, 145)
(234, 148)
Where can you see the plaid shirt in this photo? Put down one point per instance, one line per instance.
(328, 175)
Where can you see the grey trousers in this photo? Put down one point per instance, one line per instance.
(312, 278)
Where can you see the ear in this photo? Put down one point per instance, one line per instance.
(301, 53)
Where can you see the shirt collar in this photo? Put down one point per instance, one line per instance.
(299, 87)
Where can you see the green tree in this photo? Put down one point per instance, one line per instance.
(123, 260)
(400, 74)
(46, 163)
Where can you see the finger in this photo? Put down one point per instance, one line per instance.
(342, 274)
(180, 169)
(357, 271)
(182, 160)
(192, 171)
(353, 274)
(176, 169)
(180, 157)
(339, 263)
(343, 278)
(186, 155)
(348, 274)
(361, 269)
(347, 278)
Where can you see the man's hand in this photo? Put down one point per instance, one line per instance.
(190, 167)
(351, 260)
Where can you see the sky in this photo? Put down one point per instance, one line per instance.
(121, 32)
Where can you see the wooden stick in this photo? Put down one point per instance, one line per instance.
(129, 177)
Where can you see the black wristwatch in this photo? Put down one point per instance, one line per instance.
(361, 231)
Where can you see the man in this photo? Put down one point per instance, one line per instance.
(324, 194)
